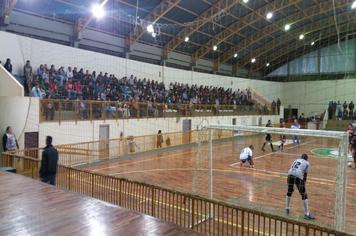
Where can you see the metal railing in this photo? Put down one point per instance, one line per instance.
(101, 150)
(74, 110)
(190, 211)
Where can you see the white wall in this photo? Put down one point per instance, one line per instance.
(83, 131)
(21, 113)
(313, 97)
(20, 49)
(9, 86)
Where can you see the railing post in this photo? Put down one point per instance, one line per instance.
(120, 192)
(92, 184)
(243, 223)
(153, 200)
(69, 176)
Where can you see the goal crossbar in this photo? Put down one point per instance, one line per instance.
(341, 171)
(286, 131)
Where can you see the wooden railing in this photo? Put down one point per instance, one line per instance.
(74, 110)
(190, 211)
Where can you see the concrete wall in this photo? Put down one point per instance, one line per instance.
(313, 97)
(82, 131)
(9, 86)
(20, 49)
(22, 113)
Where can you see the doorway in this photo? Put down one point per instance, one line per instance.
(104, 135)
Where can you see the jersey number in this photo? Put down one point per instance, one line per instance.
(296, 165)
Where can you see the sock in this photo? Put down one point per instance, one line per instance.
(263, 146)
(306, 208)
(271, 146)
(287, 202)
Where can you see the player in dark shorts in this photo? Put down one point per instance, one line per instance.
(297, 175)
(283, 138)
(268, 138)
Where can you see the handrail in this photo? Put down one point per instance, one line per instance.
(69, 110)
(185, 209)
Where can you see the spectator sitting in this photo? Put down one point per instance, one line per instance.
(36, 91)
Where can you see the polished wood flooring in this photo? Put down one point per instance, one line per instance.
(263, 187)
(29, 207)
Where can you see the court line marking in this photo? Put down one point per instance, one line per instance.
(271, 153)
(174, 206)
(153, 158)
(252, 171)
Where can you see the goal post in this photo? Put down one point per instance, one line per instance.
(341, 168)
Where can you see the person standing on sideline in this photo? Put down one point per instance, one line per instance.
(9, 141)
(296, 125)
(159, 139)
(297, 175)
(49, 161)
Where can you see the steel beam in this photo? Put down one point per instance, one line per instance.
(157, 13)
(237, 26)
(267, 31)
(327, 32)
(316, 26)
(189, 29)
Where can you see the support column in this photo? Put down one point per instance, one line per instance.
(210, 160)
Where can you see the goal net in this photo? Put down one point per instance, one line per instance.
(264, 187)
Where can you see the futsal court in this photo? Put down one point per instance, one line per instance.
(263, 187)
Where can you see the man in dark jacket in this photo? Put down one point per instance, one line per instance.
(49, 161)
(8, 65)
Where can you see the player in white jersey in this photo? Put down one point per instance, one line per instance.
(297, 175)
(246, 156)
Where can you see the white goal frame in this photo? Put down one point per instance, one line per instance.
(341, 171)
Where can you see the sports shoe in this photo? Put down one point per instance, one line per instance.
(353, 168)
(309, 217)
(287, 211)
(263, 150)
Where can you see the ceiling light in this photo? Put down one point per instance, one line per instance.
(301, 37)
(186, 39)
(287, 27)
(245, 1)
(154, 34)
(235, 55)
(98, 11)
(267, 64)
(150, 28)
(253, 60)
(312, 43)
(215, 48)
(269, 15)
(353, 6)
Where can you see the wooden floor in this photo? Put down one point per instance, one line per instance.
(29, 207)
(263, 187)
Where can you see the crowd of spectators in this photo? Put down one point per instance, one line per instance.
(79, 84)
(340, 111)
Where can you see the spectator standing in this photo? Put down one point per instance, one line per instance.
(345, 113)
(295, 125)
(8, 65)
(9, 141)
(338, 110)
(279, 103)
(27, 71)
(49, 161)
(159, 139)
(351, 109)
(330, 110)
(274, 105)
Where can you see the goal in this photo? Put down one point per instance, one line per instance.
(264, 186)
